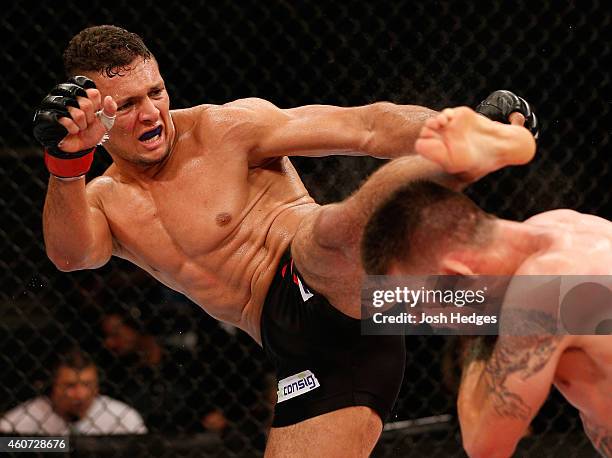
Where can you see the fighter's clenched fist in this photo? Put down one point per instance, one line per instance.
(69, 123)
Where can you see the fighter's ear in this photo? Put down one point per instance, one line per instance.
(452, 266)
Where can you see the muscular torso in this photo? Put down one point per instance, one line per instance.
(581, 245)
(208, 225)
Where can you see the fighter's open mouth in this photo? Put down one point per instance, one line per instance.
(150, 134)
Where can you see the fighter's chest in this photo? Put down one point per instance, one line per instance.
(193, 214)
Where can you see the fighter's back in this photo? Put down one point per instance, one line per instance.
(579, 244)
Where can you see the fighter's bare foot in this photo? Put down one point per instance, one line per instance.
(464, 142)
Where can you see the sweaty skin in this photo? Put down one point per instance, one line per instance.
(209, 205)
(505, 392)
(210, 227)
(580, 366)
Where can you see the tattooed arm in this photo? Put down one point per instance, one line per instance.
(500, 394)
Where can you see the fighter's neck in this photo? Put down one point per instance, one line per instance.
(512, 244)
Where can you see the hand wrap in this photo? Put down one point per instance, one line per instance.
(49, 132)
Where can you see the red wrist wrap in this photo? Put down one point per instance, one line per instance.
(69, 165)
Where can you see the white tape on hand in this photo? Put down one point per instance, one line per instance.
(107, 121)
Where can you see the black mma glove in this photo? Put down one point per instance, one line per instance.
(49, 132)
(500, 104)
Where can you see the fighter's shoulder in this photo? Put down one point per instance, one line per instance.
(251, 111)
(240, 113)
(250, 103)
(245, 106)
(563, 215)
(552, 262)
(567, 216)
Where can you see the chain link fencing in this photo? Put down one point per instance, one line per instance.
(212, 378)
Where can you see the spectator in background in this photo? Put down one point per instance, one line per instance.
(167, 384)
(73, 406)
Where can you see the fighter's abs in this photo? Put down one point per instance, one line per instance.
(213, 238)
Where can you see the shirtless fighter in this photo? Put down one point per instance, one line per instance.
(205, 200)
(439, 231)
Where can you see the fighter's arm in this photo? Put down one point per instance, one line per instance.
(66, 123)
(502, 391)
(76, 231)
(499, 397)
(383, 129)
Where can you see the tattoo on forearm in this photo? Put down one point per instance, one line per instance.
(600, 436)
(524, 355)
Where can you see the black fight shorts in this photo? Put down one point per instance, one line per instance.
(322, 361)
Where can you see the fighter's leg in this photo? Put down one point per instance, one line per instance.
(326, 246)
(456, 148)
(352, 431)
(325, 250)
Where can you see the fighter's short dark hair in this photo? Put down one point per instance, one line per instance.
(419, 216)
(105, 49)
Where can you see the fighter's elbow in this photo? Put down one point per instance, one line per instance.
(67, 260)
(487, 446)
(65, 263)
(375, 132)
(478, 438)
